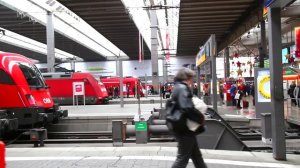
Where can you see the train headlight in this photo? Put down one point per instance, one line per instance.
(31, 100)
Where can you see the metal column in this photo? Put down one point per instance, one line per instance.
(263, 44)
(165, 77)
(276, 84)
(73, 65)
(213, 54)
(121, 82)
(227, 63)
(154, 54)
(50, 43)
(198, 81)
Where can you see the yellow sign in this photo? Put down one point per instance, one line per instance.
(201, 59)
(261, 87)
(265, 12)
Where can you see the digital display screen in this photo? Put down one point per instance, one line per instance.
(263, 89)
(284, 53)
(292, 52)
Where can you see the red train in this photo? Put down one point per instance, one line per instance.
(25, 99)
(61, 88)
(129, 83)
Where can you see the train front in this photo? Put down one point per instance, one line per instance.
(27, 96)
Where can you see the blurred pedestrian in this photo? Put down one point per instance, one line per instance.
(187, 142)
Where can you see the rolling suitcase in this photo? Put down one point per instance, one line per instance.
(245, 104)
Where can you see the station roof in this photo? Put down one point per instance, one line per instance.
(197, 20)
(111, 19)
(17, 23)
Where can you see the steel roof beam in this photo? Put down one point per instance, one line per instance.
(249, 20)
(219, 2)
(214, 8)
(210, 17)
(81, 3)
(199, 13)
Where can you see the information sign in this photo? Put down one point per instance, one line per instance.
(78, 88)
(141, 126)
(263, 86)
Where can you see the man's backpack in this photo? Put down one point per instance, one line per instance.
(175, 118)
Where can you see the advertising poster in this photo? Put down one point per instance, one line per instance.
(297, 42)
(263, 89)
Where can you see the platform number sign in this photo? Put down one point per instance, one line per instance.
(78, 88)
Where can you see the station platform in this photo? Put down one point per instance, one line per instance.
(131, 108)
(134, 155)
(151, 155)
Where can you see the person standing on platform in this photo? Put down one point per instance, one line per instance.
(232, 94)
(133, 90)
(297, 94)
(291, 93)
(240, 93)
(195, 90)
(206, 89)
(187, 142)
(116, 91)
(127, 90)
(163, 92)
(221, 90)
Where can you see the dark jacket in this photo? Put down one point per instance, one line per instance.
(182, 95)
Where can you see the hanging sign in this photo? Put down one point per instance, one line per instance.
(201, 57)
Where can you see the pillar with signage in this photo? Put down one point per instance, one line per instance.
(276, 79)
(78, 90)
(207, 56)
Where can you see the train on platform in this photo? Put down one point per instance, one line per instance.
(130, 85)
(61, 88)
(25, 100)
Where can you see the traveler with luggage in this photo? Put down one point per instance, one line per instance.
(181, 109)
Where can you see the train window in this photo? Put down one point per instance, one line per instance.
(65, 76)
(5, 78)
(32, 75)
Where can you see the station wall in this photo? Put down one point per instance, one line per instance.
(130, 67)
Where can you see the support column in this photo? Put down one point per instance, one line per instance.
(73, 65)
(165, 77)
(121, 82)
(213, 54)
(154, 54)
(276, 84)
(227, 63)
(263, 44)
(50, 43)
(198, 81)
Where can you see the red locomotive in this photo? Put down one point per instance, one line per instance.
(24, 97)
(61, 88)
